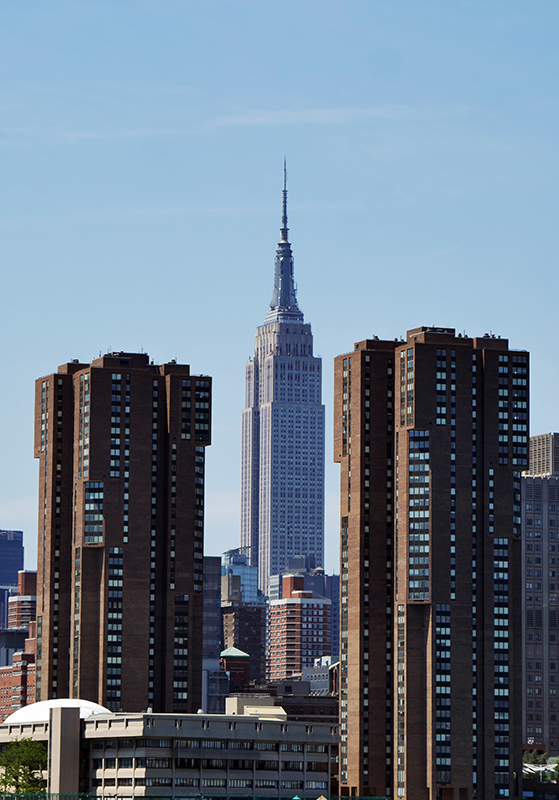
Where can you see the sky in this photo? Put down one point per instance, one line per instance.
(141, 158)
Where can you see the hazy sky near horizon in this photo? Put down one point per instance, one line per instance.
(141, 151)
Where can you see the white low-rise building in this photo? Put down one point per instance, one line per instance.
(247, 752)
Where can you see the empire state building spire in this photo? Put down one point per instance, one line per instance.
(283, 306)
(284, 227)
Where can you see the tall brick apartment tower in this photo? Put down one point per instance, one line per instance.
(120, 555)
(431, 436)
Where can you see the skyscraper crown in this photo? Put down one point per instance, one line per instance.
(283, 306)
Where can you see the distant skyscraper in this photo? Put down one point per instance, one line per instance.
(544, 454)
(11, 557)
(213, 633)
(236, 562)
(11, 562)
(282, 470)
(121, 444)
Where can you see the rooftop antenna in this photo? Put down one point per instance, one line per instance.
(284, 203)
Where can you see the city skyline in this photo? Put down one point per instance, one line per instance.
(142, 171)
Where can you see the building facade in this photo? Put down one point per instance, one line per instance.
(22, 608)
(244, 626)
(121, 444)
(11, 562)
(317, 582)
(213, 632)
(431, 435)
(544, 454)
(237, 562)
(540, 591)
(282, 458)
(11, 557)
(17, 680)
(251, 751)
(299, 630)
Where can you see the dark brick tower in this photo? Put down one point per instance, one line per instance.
(121, 513)
(431, 435)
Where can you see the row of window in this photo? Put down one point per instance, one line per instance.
(206, 744)
(155, 762)
(207, 783)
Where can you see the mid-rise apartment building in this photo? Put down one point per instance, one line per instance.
(22, 608)
(299, 629)
(121, 446)
(431, 435)
(318, 582)
(17, 679)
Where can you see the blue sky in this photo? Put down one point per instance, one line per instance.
(141, 152)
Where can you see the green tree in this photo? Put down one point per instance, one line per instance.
(533, 757)
(23, 761)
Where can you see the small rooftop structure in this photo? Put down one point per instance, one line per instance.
(257, 706)
(234, 652)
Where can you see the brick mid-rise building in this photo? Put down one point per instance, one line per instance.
(299, 629)
(22, 608)
(121, 444)
(17, 681)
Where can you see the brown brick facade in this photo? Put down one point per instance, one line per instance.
(121, 448)
(431, 435)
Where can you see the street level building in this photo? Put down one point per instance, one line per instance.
(540, 591)
(431, 435)
(282, 457)
(121, 446)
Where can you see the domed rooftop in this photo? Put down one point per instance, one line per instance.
(39, 712)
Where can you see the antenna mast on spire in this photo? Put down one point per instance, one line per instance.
(284, 228)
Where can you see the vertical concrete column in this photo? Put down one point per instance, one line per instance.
(64, 750)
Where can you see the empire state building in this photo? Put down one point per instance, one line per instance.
(282, 470)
